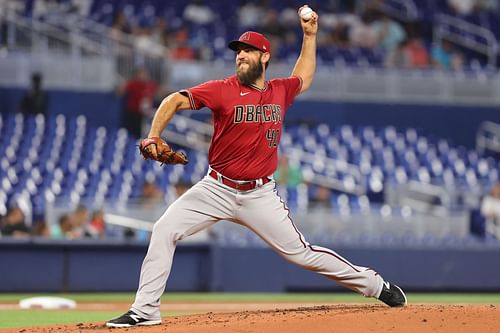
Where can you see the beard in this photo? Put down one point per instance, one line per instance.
(251, 75)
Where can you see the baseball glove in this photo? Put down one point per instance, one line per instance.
(164, 153)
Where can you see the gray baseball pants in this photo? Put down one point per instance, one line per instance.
(262, 211)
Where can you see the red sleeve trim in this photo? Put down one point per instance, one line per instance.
(300, 85)
(190, 96)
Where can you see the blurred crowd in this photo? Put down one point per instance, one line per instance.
(197, 31)
(76, 224)
(84, 222)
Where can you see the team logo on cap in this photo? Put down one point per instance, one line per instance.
(245, 36)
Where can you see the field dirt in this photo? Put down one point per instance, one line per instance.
(296, 318)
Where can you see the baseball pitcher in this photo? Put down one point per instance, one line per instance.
(247, 112)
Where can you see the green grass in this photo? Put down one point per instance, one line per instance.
(26, 318)
(23, 318)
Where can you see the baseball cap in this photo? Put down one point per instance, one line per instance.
(253, 39)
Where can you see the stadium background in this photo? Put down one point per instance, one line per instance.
(394, 152)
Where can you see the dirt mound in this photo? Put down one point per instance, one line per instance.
(331, 318)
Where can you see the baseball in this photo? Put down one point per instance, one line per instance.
(306, 13)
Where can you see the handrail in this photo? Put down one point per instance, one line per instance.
(488, 137)
(490, 48)
(48, 31)
(83, 32)
(100, 32)
(406, 10)
(420, 197)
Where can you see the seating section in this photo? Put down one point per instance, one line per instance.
(66, 158)
(208, 33)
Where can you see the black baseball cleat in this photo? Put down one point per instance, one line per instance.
(130, 319)
(392, 295)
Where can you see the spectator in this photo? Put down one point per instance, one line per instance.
(362, 34)
(42, 8)
(145, 44)
(409, 54)
(462, 7)
(13, 224)
(340, 36)
(398, 57)
(490, 209)
(181, 49)
(198, 12)
(489, 5)
(39, 227)
(288, 15)
(80, 219)
(181, 187)
(273, 29)
(140, 92)
(120, 27)
(417, 53)
(457, 61)
(178, 189)
(249, 14)
(288, 174)
(160, 31)
(321, 198)
(63, 229)
(36, 99)
(151, 194)
(389, 32)
(97, 225)
(82, 7)
(442, 54)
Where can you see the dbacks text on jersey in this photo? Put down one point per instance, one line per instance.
(257, 113)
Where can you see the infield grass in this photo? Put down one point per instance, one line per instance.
(27, 318)
(10, 318)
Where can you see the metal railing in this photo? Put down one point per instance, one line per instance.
(79, 37)
(23, 34)
(404, 10)
(468, 35)
(488, 137)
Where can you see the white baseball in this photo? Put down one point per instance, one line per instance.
(306, 13)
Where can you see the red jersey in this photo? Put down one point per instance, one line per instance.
(247, 123)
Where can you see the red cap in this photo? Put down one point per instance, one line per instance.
(253, 39)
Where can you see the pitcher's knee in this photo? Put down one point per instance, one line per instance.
(166, 230)
(298, 256)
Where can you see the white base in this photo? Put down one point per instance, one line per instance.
(47, 302)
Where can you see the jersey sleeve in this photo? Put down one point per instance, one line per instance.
(293, 85)
(207, 94)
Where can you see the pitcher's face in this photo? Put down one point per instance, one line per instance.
(249, 65)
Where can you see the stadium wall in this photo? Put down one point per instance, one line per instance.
(104, 109)
(41, 266)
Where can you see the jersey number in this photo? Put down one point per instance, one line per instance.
(272, 135)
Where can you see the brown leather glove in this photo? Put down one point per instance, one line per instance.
(161, 152)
